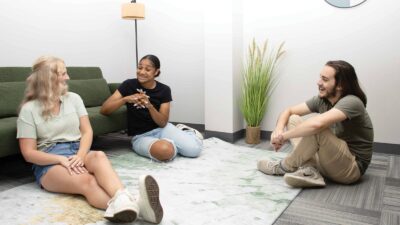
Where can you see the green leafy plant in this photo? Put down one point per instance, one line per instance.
(259, 81)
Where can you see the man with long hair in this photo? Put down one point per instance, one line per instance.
(337, 142)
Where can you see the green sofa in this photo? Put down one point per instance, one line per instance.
(88, 82)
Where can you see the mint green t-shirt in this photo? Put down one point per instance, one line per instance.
(356, 130)
(63, 127)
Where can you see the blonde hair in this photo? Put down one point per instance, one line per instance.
(43, 84)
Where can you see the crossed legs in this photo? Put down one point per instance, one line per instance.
(329, 154)
(163, 144)
(98, 185)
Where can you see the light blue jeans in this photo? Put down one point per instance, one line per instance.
(65, 149)
(185, 142)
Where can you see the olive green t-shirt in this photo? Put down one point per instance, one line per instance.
(63, 127)
(356, 130)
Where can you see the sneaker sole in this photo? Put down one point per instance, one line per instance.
(150, 200)
(296, 181)
(125, 216)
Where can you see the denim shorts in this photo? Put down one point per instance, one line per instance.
(185, 142)
(62, 148)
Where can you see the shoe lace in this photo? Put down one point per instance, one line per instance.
(275, 166)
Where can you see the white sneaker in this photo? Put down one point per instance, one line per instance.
(122, 208)
(149, 200)
(184, 127)
(305, 177)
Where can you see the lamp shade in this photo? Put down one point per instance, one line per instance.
(132, 11)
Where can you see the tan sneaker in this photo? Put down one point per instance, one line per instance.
(122, 208)
(270, 167)
(149, 200)
(184, 127)
(305, 177)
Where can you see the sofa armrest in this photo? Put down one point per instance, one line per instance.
(113, 87)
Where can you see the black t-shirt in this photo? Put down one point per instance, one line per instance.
(139, 120)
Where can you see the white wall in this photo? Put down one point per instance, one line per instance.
(367, 36)
(91, 33)
(173, 30)
(83, 33)
(223, 41)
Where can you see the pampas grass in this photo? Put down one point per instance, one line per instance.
(259, 81)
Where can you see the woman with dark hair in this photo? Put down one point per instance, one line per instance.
(336, 142)
(55, 135)
(148, 106)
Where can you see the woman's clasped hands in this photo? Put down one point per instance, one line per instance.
(139, 100)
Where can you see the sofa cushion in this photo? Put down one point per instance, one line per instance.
(11, 95)
(84, 73)
(8, 134)
(113, 87)
(93, 92)
(13, 74)
(105, 124)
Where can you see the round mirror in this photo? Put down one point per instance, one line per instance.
(345, 3)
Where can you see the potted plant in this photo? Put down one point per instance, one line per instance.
(258, 84)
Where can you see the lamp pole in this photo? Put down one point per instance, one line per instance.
(134, 11)
(136, 41)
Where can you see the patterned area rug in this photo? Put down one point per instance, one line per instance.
(222, 186)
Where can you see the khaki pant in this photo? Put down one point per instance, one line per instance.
(324, 151)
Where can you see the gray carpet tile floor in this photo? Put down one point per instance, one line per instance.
(373, 200)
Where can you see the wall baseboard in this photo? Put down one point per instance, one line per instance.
(378, 147)
(387, 148)
(229, 137)
(232, 137)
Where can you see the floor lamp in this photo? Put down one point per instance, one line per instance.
(133, 11)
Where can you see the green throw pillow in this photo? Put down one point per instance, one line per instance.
(93, 92)
(11, 95)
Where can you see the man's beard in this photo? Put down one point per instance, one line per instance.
(330, 94)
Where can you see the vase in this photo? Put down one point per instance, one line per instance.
(253, 135)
